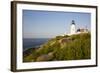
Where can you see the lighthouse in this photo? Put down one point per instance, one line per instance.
(73, 27)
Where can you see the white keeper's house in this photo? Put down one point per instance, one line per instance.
(73, 29)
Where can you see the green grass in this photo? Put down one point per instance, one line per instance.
(74, 47)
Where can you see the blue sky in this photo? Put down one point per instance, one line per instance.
(48, 24)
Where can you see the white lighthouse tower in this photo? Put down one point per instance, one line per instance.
(73, 28)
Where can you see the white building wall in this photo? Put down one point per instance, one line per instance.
(73, 29)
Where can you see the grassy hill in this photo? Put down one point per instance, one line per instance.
(74, 47)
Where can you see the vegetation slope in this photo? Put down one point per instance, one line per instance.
(74, 47)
